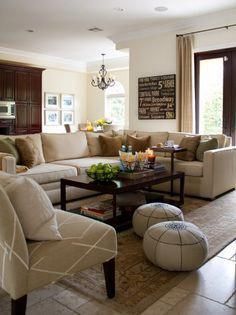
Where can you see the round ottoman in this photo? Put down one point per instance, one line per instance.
(153, 213)
(176, 246)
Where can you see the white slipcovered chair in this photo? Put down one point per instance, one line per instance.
(27, 265)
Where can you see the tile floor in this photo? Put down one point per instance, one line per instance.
(209, 290)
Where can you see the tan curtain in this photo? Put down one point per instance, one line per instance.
(185, 82)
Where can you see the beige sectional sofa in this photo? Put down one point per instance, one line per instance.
(64, 155)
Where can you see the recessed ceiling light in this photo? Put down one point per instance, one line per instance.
(95, 29)
(119, 9)
(161, 9)
(30, 31)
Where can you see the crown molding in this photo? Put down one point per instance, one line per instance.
(42, 60)
(179, 25)
(121, 63)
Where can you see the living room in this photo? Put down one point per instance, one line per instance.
(138, 43)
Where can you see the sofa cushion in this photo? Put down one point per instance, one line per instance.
(193, 168)
(156, 137)
(93, 143)
(64, 146)
(33, 208)
(206, 146)
(138, 143)
(84, 163)
(190, 144)
(47, 173)
(110, 145)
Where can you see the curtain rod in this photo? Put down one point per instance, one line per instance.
(206, 30)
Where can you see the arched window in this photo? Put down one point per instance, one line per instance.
(115, 104)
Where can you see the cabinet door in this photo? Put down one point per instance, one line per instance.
(35, 87)
(22, 86)
(8, 85)
(35, 118)
(21, 117)
(1, 85)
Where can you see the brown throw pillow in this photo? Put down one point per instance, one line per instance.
(124, 134)
(29, 153)
(110, 145)
(190, 144)
(138, 143)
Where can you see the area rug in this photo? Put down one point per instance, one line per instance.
(138, 282)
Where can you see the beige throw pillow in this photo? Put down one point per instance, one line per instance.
(110, 145)
(29, 153)
(33, 207)
(190, 144)
(138, 143)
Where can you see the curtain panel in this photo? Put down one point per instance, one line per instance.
(185, 91)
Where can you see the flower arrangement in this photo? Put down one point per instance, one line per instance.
(133, 162)
(102, 121)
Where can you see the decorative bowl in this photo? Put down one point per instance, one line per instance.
(103, 172)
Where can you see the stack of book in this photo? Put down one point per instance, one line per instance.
(102, 210)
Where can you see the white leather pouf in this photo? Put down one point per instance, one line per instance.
(175, 246)
(153, 213)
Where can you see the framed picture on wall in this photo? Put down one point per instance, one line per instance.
(52, 117)
(67, 101)
(51, 100)
(67, 117)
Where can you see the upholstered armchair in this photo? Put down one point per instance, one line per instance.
(27, 265)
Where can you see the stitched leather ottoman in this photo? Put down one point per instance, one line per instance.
(175, 246)
(153, 213)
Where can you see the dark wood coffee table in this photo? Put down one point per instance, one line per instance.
(120, 186)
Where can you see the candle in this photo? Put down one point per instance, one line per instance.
(151, 158)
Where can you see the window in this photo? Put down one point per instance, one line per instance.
(115, 104)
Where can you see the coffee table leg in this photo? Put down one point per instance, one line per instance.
(114, 209)
(181, 193)
(172, 171)
(63, 195)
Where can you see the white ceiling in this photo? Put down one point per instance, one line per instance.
(61, 26)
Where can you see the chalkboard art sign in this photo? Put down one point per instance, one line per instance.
(156, 97)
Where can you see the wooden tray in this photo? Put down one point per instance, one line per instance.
(136, 175)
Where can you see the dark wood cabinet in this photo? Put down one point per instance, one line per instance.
(7, 84)
(21, 86)
(24, 86)
(7, 126)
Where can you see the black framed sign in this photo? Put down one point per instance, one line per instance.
(156, 97)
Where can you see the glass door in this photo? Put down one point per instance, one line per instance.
(215, 92)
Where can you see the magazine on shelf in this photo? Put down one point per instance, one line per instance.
(102, 210)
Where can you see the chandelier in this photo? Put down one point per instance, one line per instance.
(100, 80)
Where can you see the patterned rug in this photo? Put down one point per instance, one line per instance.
(139, 283)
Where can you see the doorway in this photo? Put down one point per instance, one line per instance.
(215, 92)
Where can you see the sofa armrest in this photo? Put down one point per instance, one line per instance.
(7, 163)
(219, 170)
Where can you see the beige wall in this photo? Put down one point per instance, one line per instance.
(96, 97)
(67, 82)
(157, 56)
